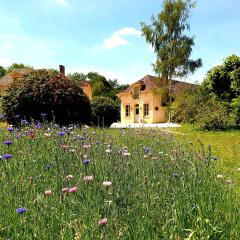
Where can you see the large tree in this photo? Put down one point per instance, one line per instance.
(167, 35)
(15, 66)
(2, 71)
(223, 81)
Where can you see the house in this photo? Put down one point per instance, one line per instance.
(140, 103)
(86, 87)
(6, 80)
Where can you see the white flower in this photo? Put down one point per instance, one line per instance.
(107, 184)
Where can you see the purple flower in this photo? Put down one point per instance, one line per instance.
(38, 125)
(80, 138)
(43, 114)
(8, 143)
(10, 129)
(61, 134)
(86, 161)
(24, 121)
(147, 150)
(17, 116)
(49, 166)
(21, 210)
(7, 156)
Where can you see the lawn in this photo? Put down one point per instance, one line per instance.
(84, 183)
(224, 144)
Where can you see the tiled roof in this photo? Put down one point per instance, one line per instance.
(15, 74)
(150, 82)
(83, 83)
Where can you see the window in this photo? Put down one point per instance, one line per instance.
(137, 109)
(135, 94)
(146, 109)
(127, 110)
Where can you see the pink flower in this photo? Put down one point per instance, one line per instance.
(69, 177)
(48, 193)
(64, 190)
(103, 221)
(73, 189)
(107, 184)
(88, 178)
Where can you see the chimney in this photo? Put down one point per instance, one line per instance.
(62, 70)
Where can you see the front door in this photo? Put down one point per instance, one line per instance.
(136, 115)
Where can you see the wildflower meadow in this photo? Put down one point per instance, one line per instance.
(85, 183)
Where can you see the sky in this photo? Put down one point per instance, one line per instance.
(105, 35)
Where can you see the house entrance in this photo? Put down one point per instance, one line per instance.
(136, 115)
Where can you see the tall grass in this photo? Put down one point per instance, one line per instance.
(159, 190)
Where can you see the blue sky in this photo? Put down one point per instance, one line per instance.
(104, 35)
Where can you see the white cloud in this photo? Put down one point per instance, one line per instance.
(63, 3)
(117, 38)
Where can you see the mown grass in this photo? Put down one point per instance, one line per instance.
(161, 188)
(224, 144)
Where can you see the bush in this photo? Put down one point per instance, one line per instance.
(208, 113)
(213, 115)
(45, 91)
(235, 106)
(104, 111)
(186, 105)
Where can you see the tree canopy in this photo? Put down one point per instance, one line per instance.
(167, 36)
(16, 66)
(224, 80)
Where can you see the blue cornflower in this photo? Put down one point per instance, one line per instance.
(8, 143)
(7, 156)
(24, 121)
(80, 138)
(147, 150)
(61, 134)
(17, 116)
(86, 161)
(10, 129)
(43, 114)
(49, 166)
(21, 210)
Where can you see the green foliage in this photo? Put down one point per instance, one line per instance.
(100, 86)
(224, 80)
(213, 115)
(44, 91)
(104, 111)
(16, 66)
(2, 71)
(206, 112)
(186, 105)
(235, 107)
(167, 35)
(77, 76)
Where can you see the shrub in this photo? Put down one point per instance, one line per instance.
(45, 91)
(104, 111)
(213, 115)
(208, 113)
(235, 106)
(186, 105)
